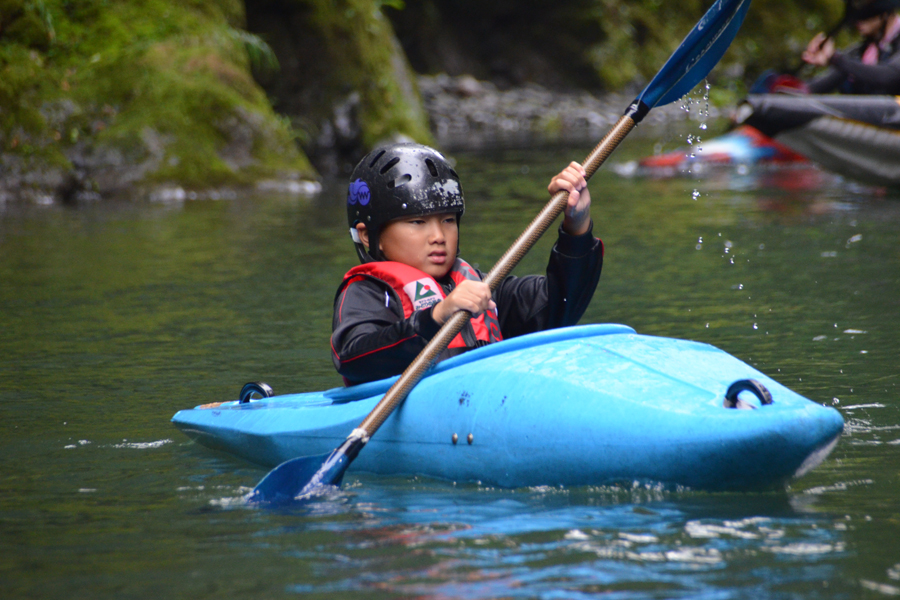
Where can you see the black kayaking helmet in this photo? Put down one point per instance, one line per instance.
(399, 181)
(860, 10)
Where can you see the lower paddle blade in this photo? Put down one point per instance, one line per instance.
(285, 482)
(306, 477)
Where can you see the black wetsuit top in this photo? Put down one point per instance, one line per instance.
(848, 74)
(372, 339)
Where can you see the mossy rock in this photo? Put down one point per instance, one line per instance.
(136, 93)
(344, 77)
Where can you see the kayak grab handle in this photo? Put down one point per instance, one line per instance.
(254, 387)
(746, 385)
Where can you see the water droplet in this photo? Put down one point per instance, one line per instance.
(755, 326)
(835, 401)
(695, 195)
(856, 238)
(702, 125)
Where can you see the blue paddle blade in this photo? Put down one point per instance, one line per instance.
(306, 477)
(698, 53)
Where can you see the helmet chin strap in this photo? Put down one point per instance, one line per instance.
(364, 256)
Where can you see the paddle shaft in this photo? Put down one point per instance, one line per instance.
(503, 267)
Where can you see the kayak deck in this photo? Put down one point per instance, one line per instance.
(587, 405)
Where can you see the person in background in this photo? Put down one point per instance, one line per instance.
(404, 207)
(871, 67)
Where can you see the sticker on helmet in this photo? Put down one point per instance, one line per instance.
(359, 193)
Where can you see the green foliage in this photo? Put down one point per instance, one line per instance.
(639, 35)
(26, 22)
(261, 56)
(365, 57)
(598, 44)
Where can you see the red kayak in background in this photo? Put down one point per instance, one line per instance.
(744, 145)
(857, 137)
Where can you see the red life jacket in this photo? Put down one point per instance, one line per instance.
(419, 291)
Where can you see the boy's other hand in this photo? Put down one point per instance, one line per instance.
(471, 296)
(577, 219)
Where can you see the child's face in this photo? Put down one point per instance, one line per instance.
(427, 243)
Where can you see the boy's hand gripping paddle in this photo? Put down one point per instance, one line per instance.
(309, 476)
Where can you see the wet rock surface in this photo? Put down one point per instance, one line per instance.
(469, 114)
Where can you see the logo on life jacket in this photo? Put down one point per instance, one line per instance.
(422, 293)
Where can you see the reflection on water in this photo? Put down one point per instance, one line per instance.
(443, 541)
(116, 316)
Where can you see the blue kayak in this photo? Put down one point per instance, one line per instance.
(587, 405)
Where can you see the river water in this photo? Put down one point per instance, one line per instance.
(113, 316)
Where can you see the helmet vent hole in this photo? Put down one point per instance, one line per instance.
(403, 179)
(432, 168)
(375, 160)
(387, 167)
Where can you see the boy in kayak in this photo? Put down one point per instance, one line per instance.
(404, 208)
(872, 67)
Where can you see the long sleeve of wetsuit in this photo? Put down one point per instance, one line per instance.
(883, 78)
(372, 339)
(559, 299)
(849, 75)
(827, 82)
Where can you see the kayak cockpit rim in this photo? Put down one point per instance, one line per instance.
(343, 395)
(374, 388)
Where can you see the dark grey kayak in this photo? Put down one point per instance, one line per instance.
(854, 136)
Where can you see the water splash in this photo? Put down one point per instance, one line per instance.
(704, 112)
(700, 99)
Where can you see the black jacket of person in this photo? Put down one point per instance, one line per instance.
(373, 339)
(848, 74)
